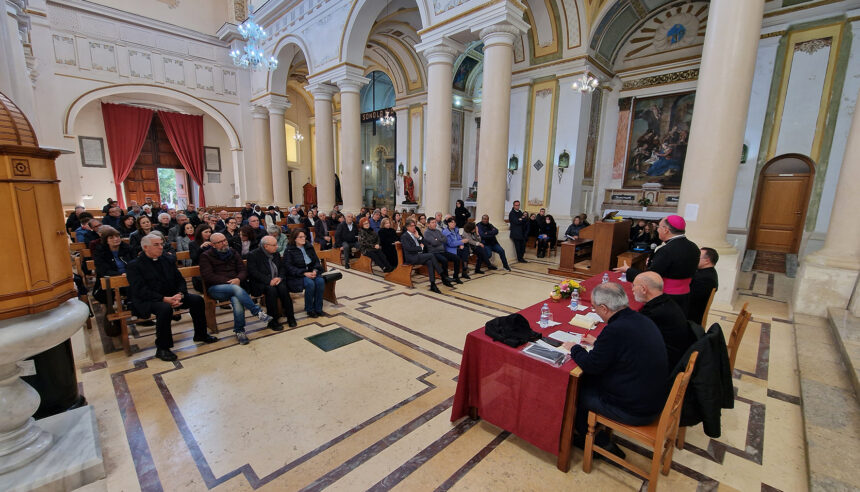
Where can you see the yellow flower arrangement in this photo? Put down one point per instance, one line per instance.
(565, 288)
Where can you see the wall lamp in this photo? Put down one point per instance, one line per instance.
(563, 163)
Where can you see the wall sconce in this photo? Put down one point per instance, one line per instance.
(563, 163)
(513, 165)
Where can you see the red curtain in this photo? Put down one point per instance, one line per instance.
(125, 130)
(185, 132)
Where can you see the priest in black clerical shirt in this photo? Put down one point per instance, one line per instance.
(665, 313)
(704, 280)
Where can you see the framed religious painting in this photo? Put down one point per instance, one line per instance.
(213, 159)
(657, 146)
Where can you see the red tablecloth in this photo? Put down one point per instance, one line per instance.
(514, 391)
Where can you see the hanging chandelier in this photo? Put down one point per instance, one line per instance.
(298, 136)
(251, 56)
(387, 120)
(585, 83)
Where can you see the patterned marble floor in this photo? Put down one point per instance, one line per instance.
(281, 414)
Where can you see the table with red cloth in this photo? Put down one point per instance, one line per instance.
(530, 398)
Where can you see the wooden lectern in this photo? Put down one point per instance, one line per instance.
(609, 239)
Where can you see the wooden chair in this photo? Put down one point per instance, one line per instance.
(704, 321)
(402, 273)
(660, 435)
(732, 345)
(362, 264)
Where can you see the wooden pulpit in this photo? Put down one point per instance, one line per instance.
(608, 240)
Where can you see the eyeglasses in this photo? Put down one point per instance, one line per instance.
(219, 242)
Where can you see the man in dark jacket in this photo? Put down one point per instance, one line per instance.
(320, 231)
(488, 233)
(704, 281)
(413, 254)
(665, 313)
(625, 372)
(223, 270)
(434, 243)
(346, 237)
(74, 221)
(519, 222)
(266, 277)
(156, 287)
(675, 260)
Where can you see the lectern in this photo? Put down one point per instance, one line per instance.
(608, 239)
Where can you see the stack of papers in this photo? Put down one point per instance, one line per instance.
(545, 352)
(563, 336)
(587, 321)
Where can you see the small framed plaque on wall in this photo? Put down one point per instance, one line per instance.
(213, 159)
(92, 152)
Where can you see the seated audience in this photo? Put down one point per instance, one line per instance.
(375, 219)
(113, 217)
(144, 227)
(111, 257)
(73, 221)
(280, 238)
(461, 214)
(254, 223)
(470, 234)
(156, 287)
(573, 229)
(272, 216)
(223, 270)
(231, 232)
(181, 220)
(368, 244)
(665, 313)
(413, 254)
(547, 234)
(167, 249)
(201, 243)
(434, 242)
(387, 237)
(321, 229)
(625, 372)
(704, 280)
(191, 214)
(457, 246)
(248, 240)
(221, 222)
(266, 277)
(164, 223)
(397, 223)
(309, 220)
(184, 240)
(488, 234)
(421, 224)
(127, 226)
(346, 238)
(86, 232)
(303, 271)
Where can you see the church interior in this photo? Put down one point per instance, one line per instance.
(736, 115)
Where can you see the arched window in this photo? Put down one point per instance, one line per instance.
(291, 130)
(378, 94)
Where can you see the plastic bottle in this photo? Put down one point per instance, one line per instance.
(544, 315)
(605, 278)
(574, 300)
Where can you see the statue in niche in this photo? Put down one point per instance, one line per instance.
(409, 189)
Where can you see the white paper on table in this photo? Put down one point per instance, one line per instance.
(594, 317)
(549, 323)
(579, 307)
(564, 336)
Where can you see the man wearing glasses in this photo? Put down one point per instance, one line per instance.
(156, 287)
(676, 260)
(223, 270)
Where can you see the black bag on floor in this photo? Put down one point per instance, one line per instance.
(512, 330)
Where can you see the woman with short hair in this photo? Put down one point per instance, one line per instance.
(368, 244)
(304, 272)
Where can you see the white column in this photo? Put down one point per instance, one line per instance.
(350, 114)
(440, 67)
(717, 130)
(278, 140)
(495, 120)
(258, 174)
(323, 145)
(239, 189)
(827, 278)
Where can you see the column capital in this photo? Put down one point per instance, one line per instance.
(441, 50)
(259, 112)
(351, 83)
(321, 91)
(499, 34)
(274, 103)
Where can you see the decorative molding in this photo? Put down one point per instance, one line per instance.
(64, 50)
(140, 64)
(666, 78)
(174, 71)
(20, 167)
(205, 79)
(813, 45)
(442, 6)
(103, 56)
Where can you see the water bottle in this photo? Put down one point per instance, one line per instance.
(605, 278)
(544, 315)
(574, 300)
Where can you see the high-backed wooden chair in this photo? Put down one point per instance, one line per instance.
(660, 435)
(732, 345)
(704, 321)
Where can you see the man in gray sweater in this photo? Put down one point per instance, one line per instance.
(434, 241)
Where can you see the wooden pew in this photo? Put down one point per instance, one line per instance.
(402, 273)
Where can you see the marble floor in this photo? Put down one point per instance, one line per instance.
(281, 414)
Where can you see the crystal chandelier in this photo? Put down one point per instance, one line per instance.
(387, 120)
(585, 83)
(252, 55)
(298, 136)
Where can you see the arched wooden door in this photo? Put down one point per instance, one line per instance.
(784, 186)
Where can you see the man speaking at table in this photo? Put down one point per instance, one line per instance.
(625, 373)
(676, 260)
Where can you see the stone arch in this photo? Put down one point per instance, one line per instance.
(287, 48)
(131, 89)
(359, 22)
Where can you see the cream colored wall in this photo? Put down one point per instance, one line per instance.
(204, 16)
(218, 193)
(300, 114)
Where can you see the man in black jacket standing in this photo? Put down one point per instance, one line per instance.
(266, 276)
(704, 280)
(626, 370)
(519, 223)
(346, 237)
(676, 260)
(665, 313)
(156, 287)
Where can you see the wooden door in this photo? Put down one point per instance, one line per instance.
(181, 189)
(156, 152)
(141, 183)
(780, 210)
